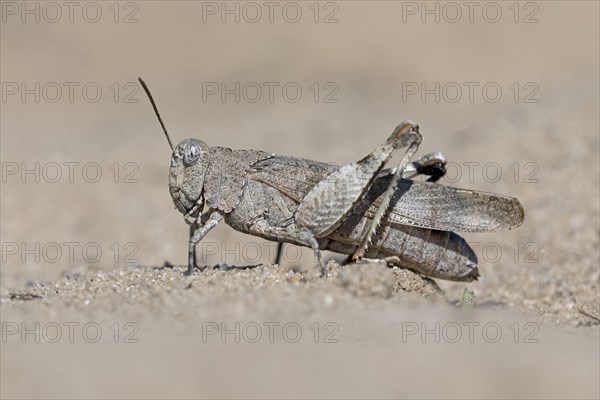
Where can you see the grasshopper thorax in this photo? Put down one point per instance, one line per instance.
(186, 176)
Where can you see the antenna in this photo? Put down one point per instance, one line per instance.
(156, 111)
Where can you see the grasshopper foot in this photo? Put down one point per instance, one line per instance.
(392, 260)
(364, 260)
(189, 270)
(435, 172)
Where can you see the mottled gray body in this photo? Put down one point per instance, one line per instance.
(276, 186)
(357, 209)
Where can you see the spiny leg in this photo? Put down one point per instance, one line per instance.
(432, 165)
(197, 232)
(326, 206)
(385, 202)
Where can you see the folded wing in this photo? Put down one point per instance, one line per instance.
(445, 208)
(420, 204)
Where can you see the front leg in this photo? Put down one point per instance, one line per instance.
(197, 232)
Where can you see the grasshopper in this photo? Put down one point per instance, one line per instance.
(358, 209)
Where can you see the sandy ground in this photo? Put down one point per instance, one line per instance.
(91, 304)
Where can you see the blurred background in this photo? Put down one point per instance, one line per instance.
(508, 91)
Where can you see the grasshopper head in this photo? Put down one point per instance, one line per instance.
(186, 175)
(188, 167)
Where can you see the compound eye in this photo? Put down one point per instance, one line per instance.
(191, 154)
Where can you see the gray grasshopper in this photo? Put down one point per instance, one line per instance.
(358, 209)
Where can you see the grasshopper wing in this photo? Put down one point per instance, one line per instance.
(435, 206)
(291, 175)
(420, 204)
